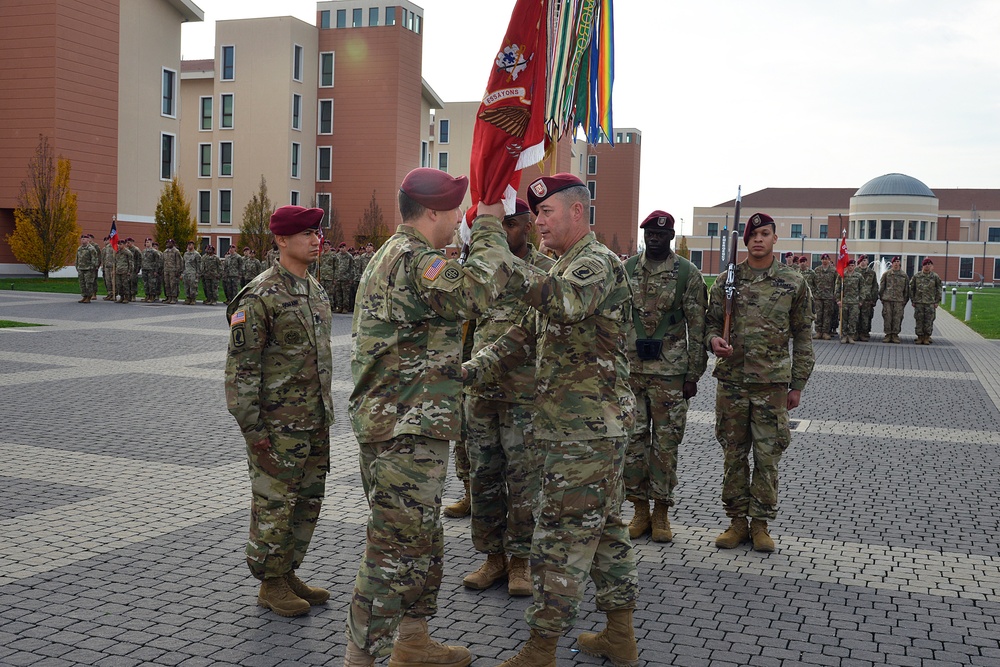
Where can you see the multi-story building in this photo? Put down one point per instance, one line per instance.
(106, 97)
(890, 215)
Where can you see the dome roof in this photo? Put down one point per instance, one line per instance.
(894, 184)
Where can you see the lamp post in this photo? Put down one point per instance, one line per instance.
(711, 250)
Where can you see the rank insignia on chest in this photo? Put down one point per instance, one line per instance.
(434, 269)
(239, 317)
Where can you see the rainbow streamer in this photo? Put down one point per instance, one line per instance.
(596, 79)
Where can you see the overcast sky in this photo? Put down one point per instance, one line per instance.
(772, 93)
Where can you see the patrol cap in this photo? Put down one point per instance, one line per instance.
(434, 189)
(289, 220)
(546, 186)
(927, 260)
(658, 220)
(756, 221)
(520, 208)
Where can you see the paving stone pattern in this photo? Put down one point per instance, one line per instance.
(126, 505)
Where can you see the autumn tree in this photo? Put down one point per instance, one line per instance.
(45, 230)
(682, 249)
(255, 230)
(173, 216)
(371, 227)
(334, 232)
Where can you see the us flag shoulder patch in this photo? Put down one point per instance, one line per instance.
(239, 317)
(434, 269)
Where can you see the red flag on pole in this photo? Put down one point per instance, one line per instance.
(509, 133)
(113, 235)
(843, 256)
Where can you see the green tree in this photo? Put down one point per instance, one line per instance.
(173, 217)
(371, 227)
(45, 230)
(682, 249)
(255, 230)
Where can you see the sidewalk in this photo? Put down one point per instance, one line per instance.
(126, 507)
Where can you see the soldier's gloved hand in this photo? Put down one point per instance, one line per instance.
(690, 390)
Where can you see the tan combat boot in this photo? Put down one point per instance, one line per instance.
(735, 535)
(275, 595)
(519, 577)
(415, 648)
(761, 539)
(616, 641)
(310, 594)
(490, 572)
(641, 521)
(661, 523)
(826, 336)
(927, 340)
(355, 657)
(82, 300)
(461, 507)
(538, 651)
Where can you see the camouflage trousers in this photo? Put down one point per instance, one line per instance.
(190, 285)
(88, 282)
(331, 290)
(579, 531)
(151, 285)
(211, 286)
(865, 318)
(230, 287)
(751, 418)
(344, 296)
(826, 311)
(401, 570)
(849, 321)
(463, 465)
(123, 282)
(506, 475)
(288, 481)
(108, 287)
(923, 315)
(660, 418)
(171, 286)
(892, 316)
(135, 284)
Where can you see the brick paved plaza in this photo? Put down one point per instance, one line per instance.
(126, 502)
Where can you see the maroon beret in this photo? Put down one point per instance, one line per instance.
(520, 208)
(756, 221)
(927, 260)
(658, 220)
(789, 254)
(434, 189)
(546, 186)
(288, 220)
(825, 255)
(895, 259)
(851, 262)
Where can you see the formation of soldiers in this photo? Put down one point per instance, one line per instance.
(340, 273)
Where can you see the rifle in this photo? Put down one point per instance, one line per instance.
(730, 286)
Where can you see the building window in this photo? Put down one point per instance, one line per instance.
(417, 23)
(443, 161)
(885, 229)
(996, 268)
(226, 121)
(225, 158)
(592, 187)
(326, 70)
(796, 230)
(166, 156)
(204, 207)
(425, 158)
(324, 160)
(409, 19)
(325, 117)
(373, 16)
(444, 131)
(225, 207)
(993, 235)
(323, 202)
(911, 231)
(591, 165)
(206, 113)
(356, 19)
(295, 159)
(294, 198)
(823, 231)
(205, 160)
(224, 244)
(742, 226)
(390, 15)
(923, 230)
(341, 18)
(713, 229)
(296, 111)
(966, 266)
(897, 230)
(169, 106)
(228, 72)
(297, 63)
(324, 19)
(696, 258)
(402, 16)
(593, 216)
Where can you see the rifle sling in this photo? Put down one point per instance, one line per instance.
(672, 317)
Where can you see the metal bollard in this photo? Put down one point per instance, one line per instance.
(944, 290)
(954, 296)
(968, 307)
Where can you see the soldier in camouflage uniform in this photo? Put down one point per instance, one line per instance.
(87, 261)
(758, 383)
(108, 269)
(505, 462)
(667, 355)
(327, 268)
(232, 272)
(278, 373)
(136, 265)
(869, 295)
(583, 418)
(405, 407)
(357, 267)
(252, 266)
(808, 274)
(825, 297)
(190, 274)
(150, 271)
(271, 258)
(173, 265)
(342, 276)
(124, 266)
(894, 292)
(211, 274)
(849, 291)
(925, 293)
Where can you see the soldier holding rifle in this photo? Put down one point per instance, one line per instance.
(751, 317)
